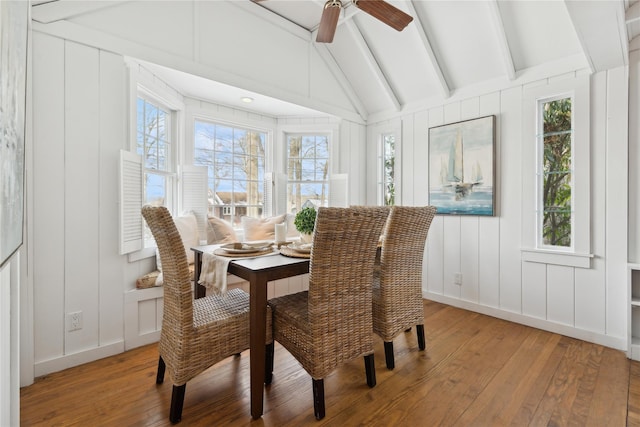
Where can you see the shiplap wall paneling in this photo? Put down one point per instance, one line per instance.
(48, 199)
(489, 230)
(435, 241)
(590, 284)
(634, 156)
(81, 186)
(420, 185)
(113, 137)
(534, 290)
(616, 213)
(406, 162)
(469, 226)
(560, 294)
(452, 229)
(508, 295)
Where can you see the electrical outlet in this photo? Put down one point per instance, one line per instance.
(74, 321)
(457, 279)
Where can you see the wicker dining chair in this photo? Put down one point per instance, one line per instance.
(331, 323)
(198, 333)
(397, 284)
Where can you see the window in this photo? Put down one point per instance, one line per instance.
(154, 145)
(555, 171)
(307, 171)
(386, 160)
(555, 181)
(235, 159)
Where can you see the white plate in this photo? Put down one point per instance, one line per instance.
(303, 248)
(245, 248)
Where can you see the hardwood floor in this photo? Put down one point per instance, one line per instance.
(476, 371)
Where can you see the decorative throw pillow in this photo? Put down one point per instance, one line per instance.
(187, 226)
(159, 279)
(148, 280)
(219, 231)
(261, 228)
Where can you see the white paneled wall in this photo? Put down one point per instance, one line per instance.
(587, 303)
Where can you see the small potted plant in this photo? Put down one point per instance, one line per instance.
(304, 221)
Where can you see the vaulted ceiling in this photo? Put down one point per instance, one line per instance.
(450, 48)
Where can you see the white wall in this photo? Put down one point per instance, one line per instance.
(587, 303)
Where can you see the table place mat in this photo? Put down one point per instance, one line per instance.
(292, 253)
(266, 251)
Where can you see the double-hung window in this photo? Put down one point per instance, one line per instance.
(235, 160)
(307, 171)
(154, 143)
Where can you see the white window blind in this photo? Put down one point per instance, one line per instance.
(194, 195)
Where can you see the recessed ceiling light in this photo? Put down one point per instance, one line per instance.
(247, 99)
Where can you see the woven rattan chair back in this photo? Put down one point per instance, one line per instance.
(332, 322)
(195, 334)
(397, 295)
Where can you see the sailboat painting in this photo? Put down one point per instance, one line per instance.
(461, 167)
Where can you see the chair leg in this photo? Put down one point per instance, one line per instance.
(370, 368)
(161, 369)
(268, 363)
(420, 332)
(388, 355)
(318, 398)
(177, 400)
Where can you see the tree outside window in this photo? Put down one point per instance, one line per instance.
(235, 161)
(307, 171)
(556, 174)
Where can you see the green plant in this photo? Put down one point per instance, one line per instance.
(305, 220)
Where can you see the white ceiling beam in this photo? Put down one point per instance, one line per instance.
(507, 59)
(444, 87)
(373, 64)
(602, 32)
(633, 13)
(58, 10)
(339, 75)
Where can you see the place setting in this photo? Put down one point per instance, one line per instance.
(296, 250)
(245, 249)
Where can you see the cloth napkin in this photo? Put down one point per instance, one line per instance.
(213, 273)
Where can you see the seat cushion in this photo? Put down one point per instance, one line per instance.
(261, 228)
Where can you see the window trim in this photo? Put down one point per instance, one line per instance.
(540, 175)
(577, 86)
(141, 81)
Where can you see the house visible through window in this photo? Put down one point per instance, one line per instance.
(307, 171)
(555, 182)
(235, 158)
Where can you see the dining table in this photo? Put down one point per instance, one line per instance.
(257, 271)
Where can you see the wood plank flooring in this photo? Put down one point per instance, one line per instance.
(476, 371)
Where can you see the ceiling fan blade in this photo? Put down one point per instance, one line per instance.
(385, 12)
(329, 21)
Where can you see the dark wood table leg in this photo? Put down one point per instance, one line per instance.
(199, 291)
(258, 316)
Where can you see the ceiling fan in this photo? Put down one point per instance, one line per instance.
(379, 9)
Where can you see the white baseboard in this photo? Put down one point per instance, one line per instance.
(617, 343)
(80, 358)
